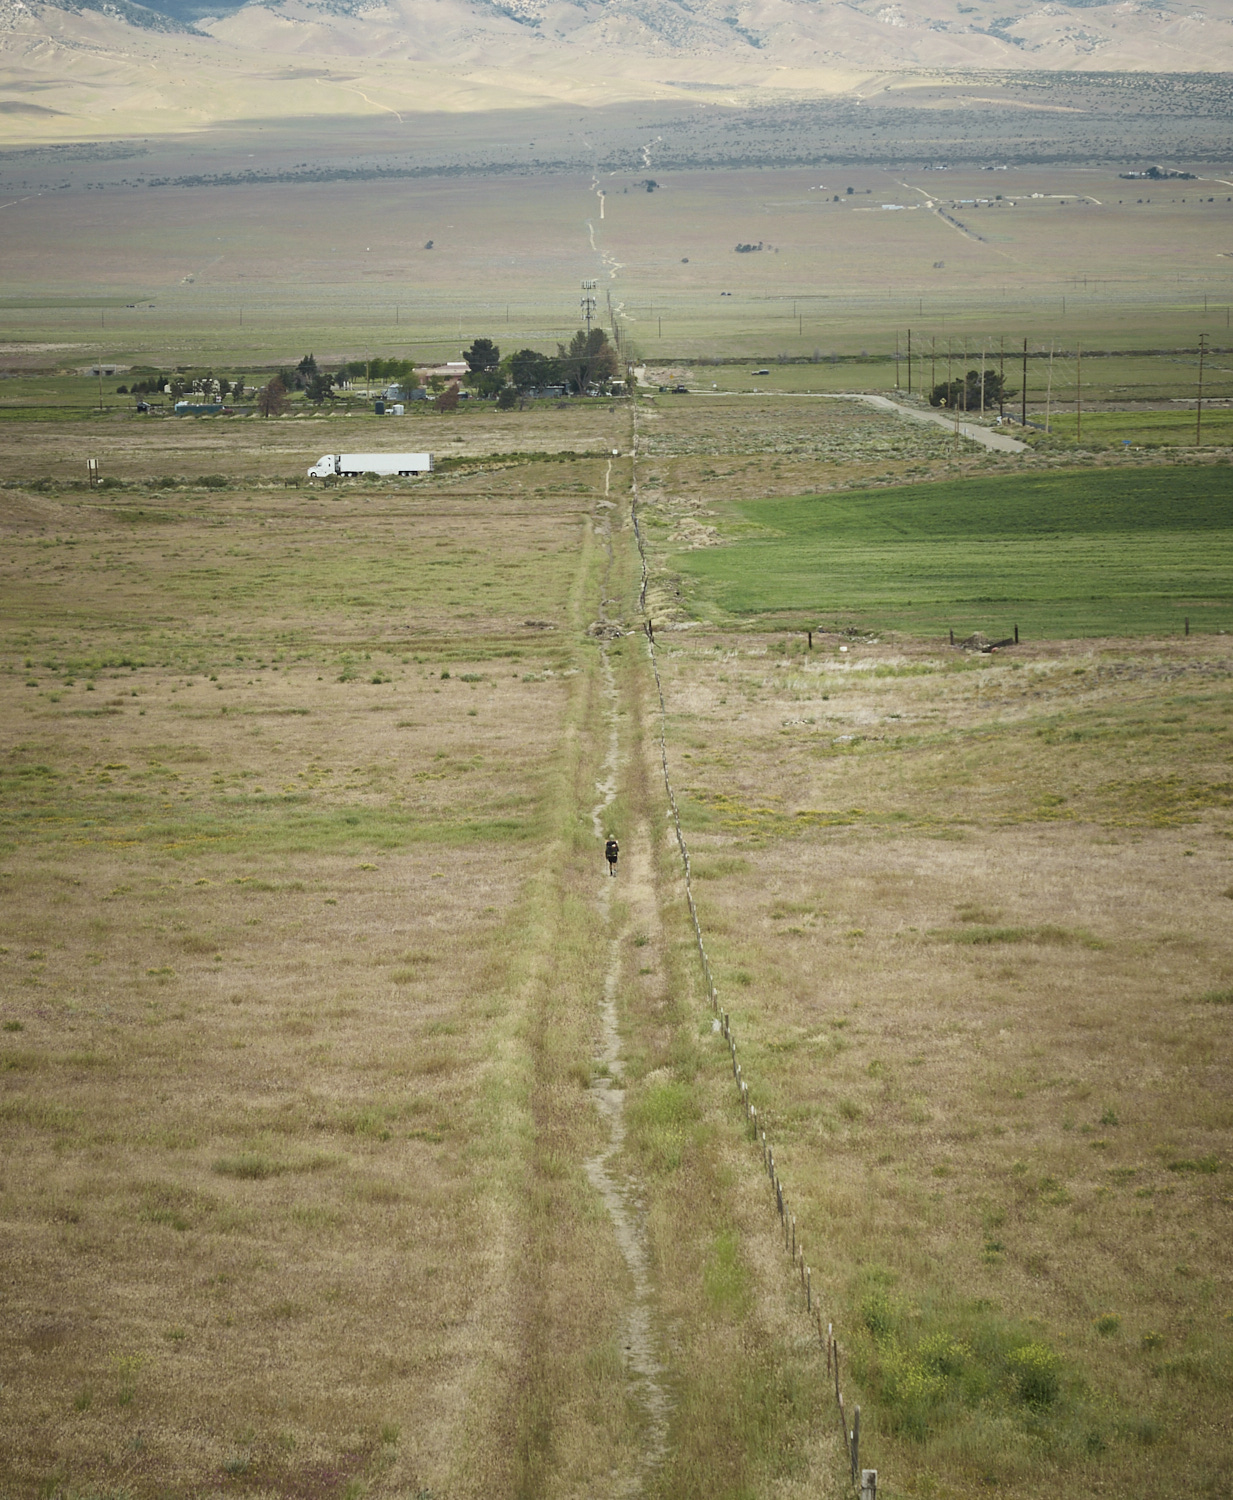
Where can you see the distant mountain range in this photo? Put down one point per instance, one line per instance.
(716, 40)
(85, 69)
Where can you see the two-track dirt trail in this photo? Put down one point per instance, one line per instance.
(635, 910)
(653, 1352)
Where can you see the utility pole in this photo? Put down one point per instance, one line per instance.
(1078, 393)
(1023, 392)
(933, 363)
(1002, 378)
(909, 361)
(588, 303)
(1049, 392)
(1198, 416)
(896, 360)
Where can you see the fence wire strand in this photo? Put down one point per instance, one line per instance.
(787, 1219)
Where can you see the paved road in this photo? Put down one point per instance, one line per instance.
(989, 437)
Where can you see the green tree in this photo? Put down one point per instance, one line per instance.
(589, 359)
(396, 371)
(529, 369)
(305, 371)
(507, 398)
(320, 385)
(486, 382)
(481, 356)
(448, 399)
(966, 394)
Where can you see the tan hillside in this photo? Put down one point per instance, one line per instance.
(65, 74)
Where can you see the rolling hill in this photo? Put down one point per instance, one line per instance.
(92, 68)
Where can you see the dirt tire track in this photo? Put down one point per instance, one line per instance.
(619, 1192)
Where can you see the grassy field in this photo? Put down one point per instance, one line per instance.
(1080, 553)
(168, 274)
(307, 949)
(275, 779)
(301, 995)
(1146, 429)
(970, 924)
(969, 919)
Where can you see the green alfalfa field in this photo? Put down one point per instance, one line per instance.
(1060, 554)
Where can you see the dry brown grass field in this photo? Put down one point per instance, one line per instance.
(280, 773)
(309, 948)
(976, 952)
(259, 273)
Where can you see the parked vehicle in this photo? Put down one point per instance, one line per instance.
(351, 465)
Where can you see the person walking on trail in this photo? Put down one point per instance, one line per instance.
(611, 851)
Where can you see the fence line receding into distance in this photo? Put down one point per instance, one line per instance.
(867, 1478)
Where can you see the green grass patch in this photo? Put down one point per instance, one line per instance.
(1146, 429)
(1086, 552)
(725, 1281)
(255, 1166)
(662, 1121)
(939, 1372)
(273, 822)
(979, 935)
(1207, 1165)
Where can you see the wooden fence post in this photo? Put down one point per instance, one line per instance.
(856, 1443)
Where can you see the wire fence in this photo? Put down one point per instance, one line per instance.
(793, 1245)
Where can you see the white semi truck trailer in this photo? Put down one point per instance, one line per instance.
(351, 465)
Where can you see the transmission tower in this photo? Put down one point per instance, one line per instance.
(588, 302)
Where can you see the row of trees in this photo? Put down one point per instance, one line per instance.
(587, 361)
